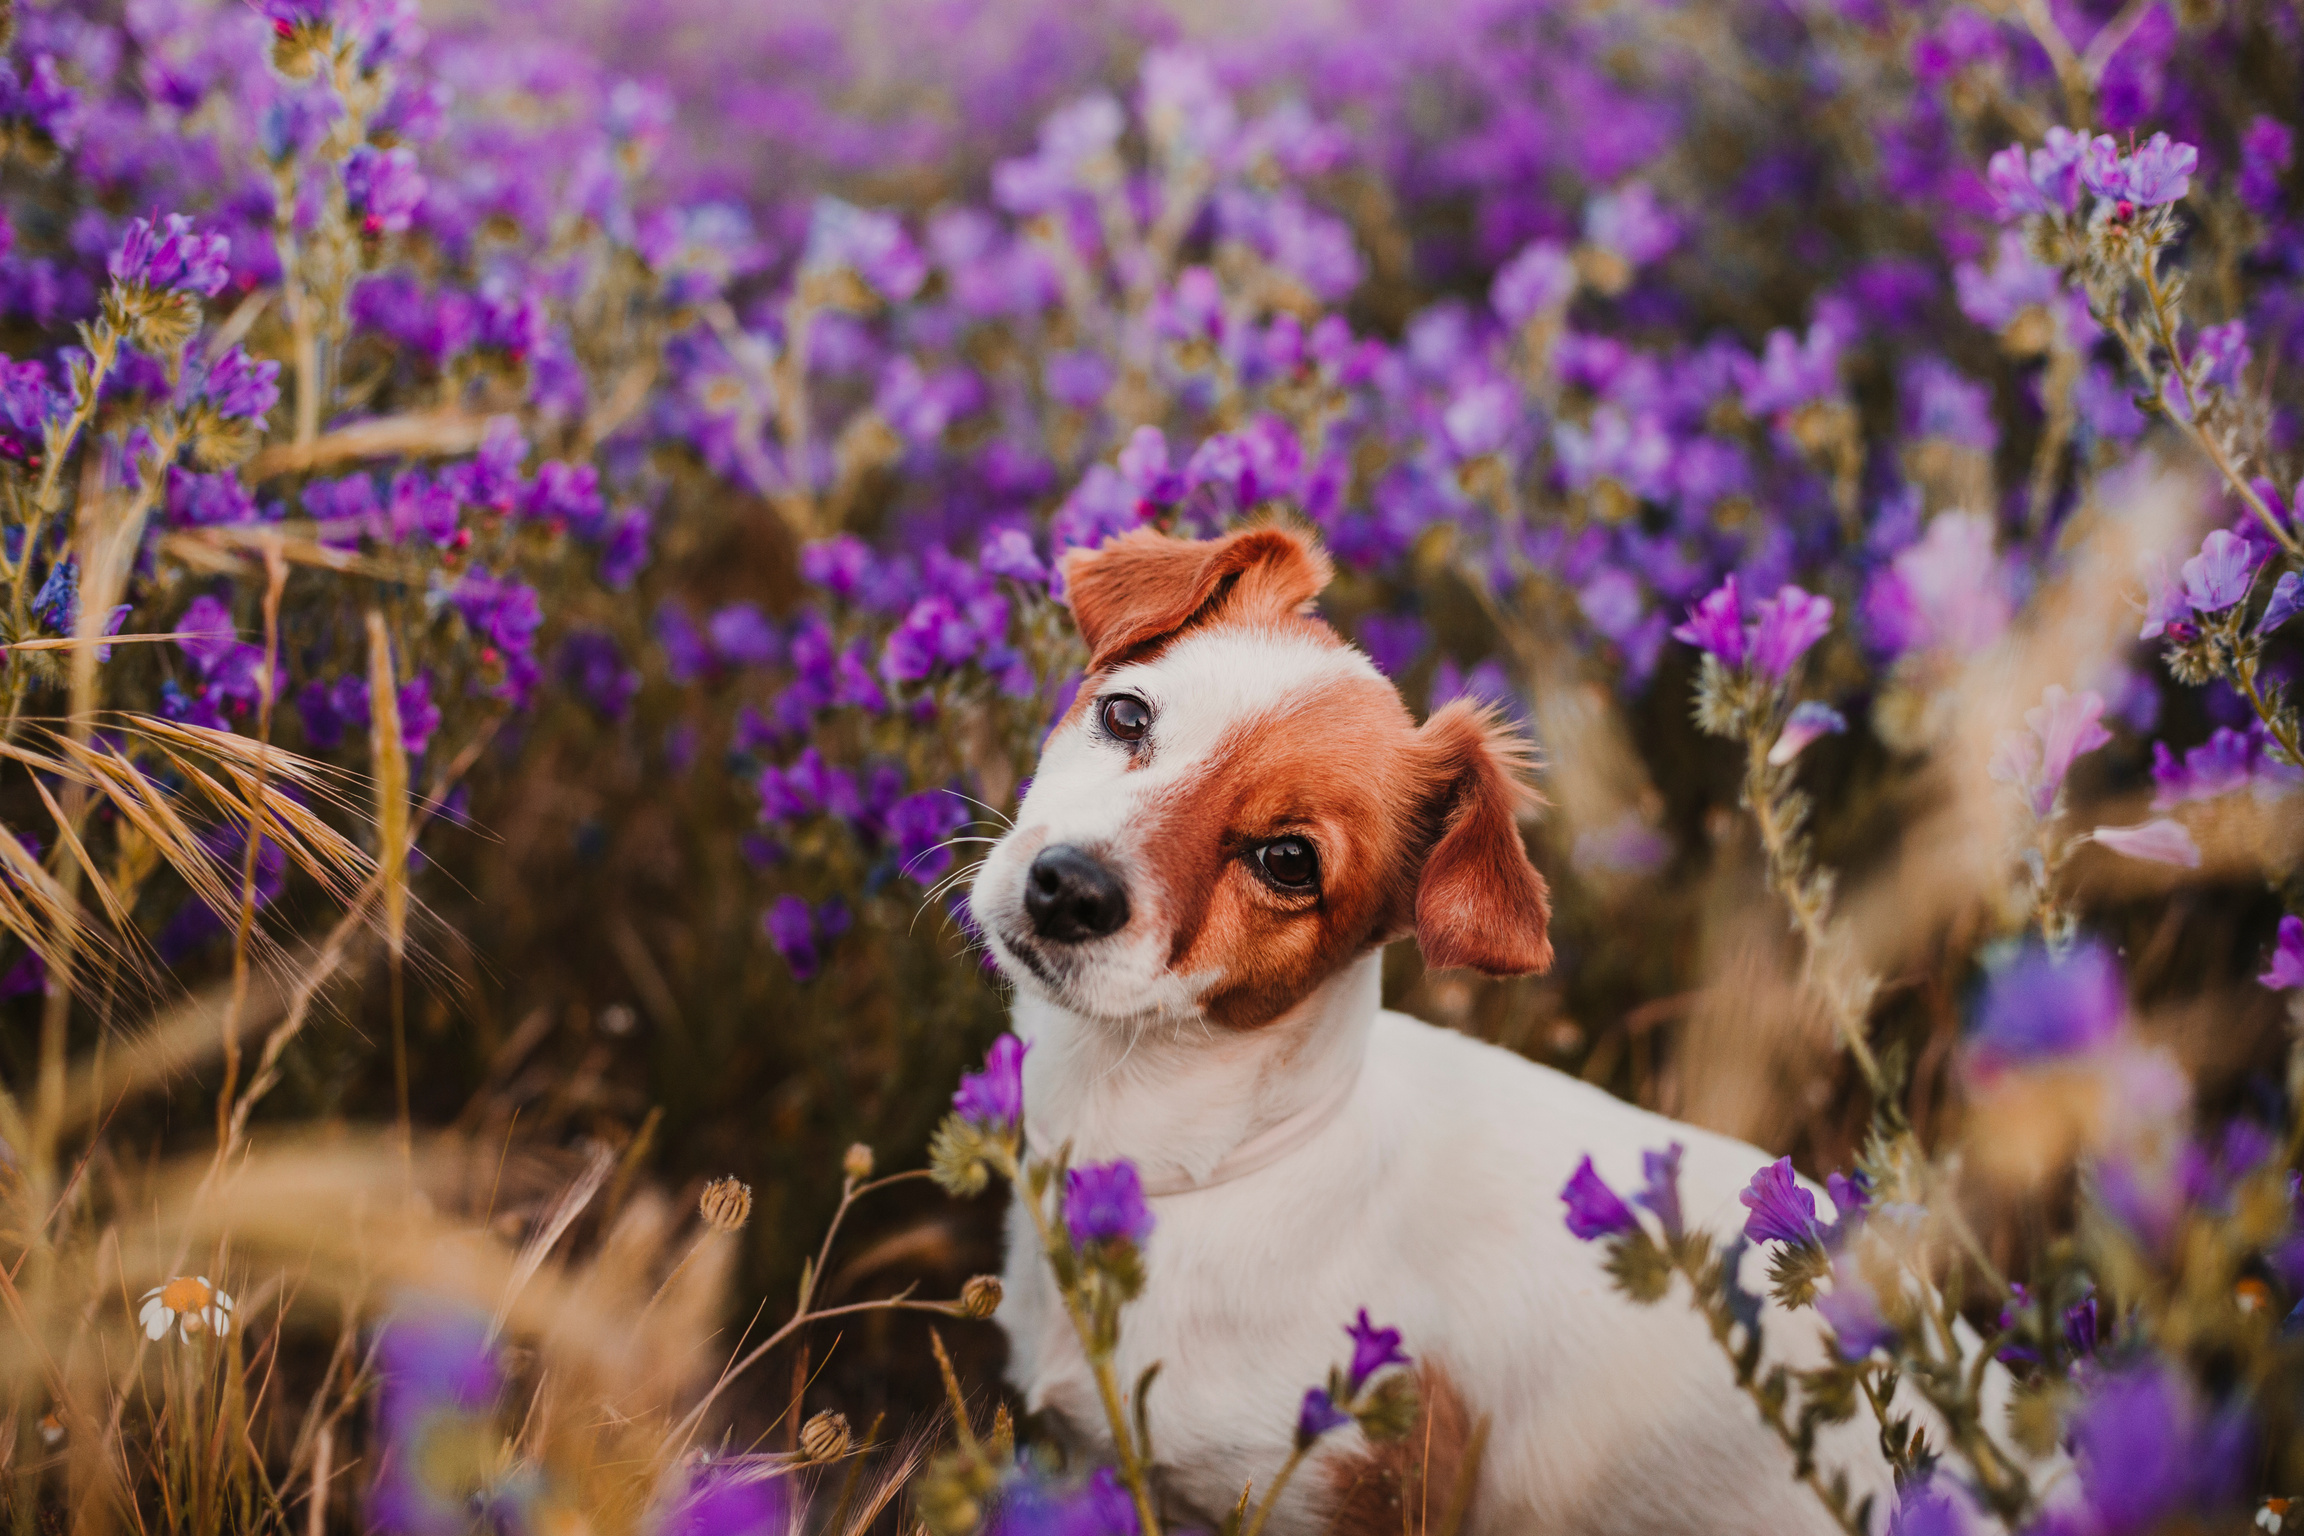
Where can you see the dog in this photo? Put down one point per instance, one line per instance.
(1233, 819)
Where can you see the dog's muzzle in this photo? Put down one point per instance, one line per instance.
(1071, 898)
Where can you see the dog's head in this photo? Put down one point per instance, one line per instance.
(1238, 804)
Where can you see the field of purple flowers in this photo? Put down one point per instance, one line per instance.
(532, 558)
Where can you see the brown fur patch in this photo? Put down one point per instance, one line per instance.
(1143, 589)
(1407, 1486)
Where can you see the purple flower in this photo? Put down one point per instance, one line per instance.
(238, 388)
(209, 501)
(1631, 223)
(1661, 1193)
(1782, 1212)
(2287, 598)
(568, 494)
(718, 1502)
(742, 636)
(1594, 1210)
(2218, 577)
(2039, 1007)
(1373, 1349)
(1104, 1203)
(1394, 641)
(1716, 624)
(2287, 967)
(2265, 150)
(2146, 1449)
(2063, 726)
(2102, 169)
(2160, 172)
(57, 603)
(383, 188)
(2221, 354)
(1935, 1507)
(1851, 1309)
(1807, 722)
(1789, 624)
(791, 927)
(593, 664)
(27, 405)
(439, 1381)
(1009, 553)
(1318, 1416)
(686, 656)
(1541, 278)
(2160, 841)
(171, 256)
(920, 826)
(419, 716)
(993, 1099)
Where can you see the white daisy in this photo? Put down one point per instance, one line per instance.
(189, 1304)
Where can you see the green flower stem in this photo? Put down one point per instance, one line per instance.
(1712, 1305)
(1133, 1472)
(1264, 1506)
(2164, 328)
(1762, 783)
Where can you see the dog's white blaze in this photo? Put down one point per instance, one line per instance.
(1087, 794)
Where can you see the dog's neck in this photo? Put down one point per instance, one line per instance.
(1189, 1103)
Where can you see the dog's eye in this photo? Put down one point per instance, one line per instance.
(1289, 862)
(1126, 717)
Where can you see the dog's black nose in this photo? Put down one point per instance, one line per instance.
(1071, 897)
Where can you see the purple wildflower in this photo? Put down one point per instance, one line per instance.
(920, 826)
(1716, 624)
(2287, 967)
(1594, 1210)
(383, 188)
(238, 388)
(791, 927)
(2287, 599)
(2040, 1007)
(1318, 1416)
(593, 664)
(1807, 722)
(2146, 1449)
(1373, 1349)
(1104, 1203)
(993, 1099)
(1789, 624)
(1660, 1194)
(718, 1502)
(2160, 172)
(171, 256)
(2160, 841)
(1782, 1212)
(743, 636)
(2218, 577)
(1851, 1309)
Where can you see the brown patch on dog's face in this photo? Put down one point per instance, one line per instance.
(1333, 771)
(1408, 1486)
(1234, 811)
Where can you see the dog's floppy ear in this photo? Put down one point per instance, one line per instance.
(1479, 902)
(1144, 585)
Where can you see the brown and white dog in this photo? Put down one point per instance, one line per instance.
(1232, 821)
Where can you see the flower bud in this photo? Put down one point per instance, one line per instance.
(726, 1205)
(825, 1436)
(980, 1297)
(858, 1163)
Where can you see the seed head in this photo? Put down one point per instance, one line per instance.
(980, 1297)
(858, 1163)
(727, 1205)
(825, 1436)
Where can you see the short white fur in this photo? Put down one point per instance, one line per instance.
(1430, 1198)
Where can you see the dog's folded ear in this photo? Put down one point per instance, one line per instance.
(1479, 902)
(1145, 586)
